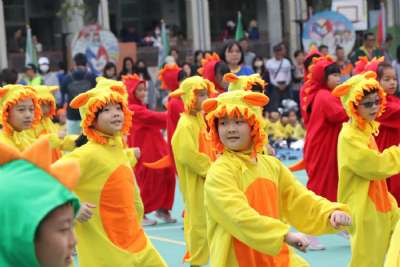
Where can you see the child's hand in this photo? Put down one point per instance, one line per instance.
(85, 212)
(298, 241)
(339, 218)
(137, 153)
(62, 134)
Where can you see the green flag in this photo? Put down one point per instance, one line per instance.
(239, 34)
(164, 48)
(30, 50)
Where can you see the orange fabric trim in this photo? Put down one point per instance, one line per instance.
(258, 136)
(164, 162)
(7, 128)
(204, 61)
(298, 166)
(87, 123)
(205, 145)
(378, 192)
(118, 213)
(262, 196)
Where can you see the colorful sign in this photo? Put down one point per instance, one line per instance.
(331, 29)
(100, 46)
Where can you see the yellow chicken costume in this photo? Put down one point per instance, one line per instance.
(114, 235)
(249, 196)
(192, 152)
(362, 173)
(245, 82)
(393, 254)
(10, 95)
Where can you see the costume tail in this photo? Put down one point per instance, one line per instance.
(298, 166)
(162, 163)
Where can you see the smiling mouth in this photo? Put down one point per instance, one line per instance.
(233, 138)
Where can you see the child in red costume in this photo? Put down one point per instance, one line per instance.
(157, 186)
(214, 69)
(170, 76)
(326, 118)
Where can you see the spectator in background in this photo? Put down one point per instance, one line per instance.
(187, 69)
(36, 44)
(17, 44)
(8, 76)
(229, 31)
(248, 55)
(259, 67)
(49, 78)
(78, 81)
(346, 68)
(31, 75)
(129, 34)
(368, 48)
(386, 49)
(279, 69)
(152, 92)
(110, 71)
(324, 50)
(254, 34)
(198, 56)
(396, 64)
(298, 74)
(232, 54)
(175, 54)
(61, 72)
(127, 67)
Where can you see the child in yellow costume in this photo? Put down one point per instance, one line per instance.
(249, 196)
(46, 126)
(113, 236)
(19, 112)
(193, 156)
(393, 254)
(363, 170)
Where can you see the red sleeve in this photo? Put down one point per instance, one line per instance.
(175, 108)
(391, 117)
(148, 117)
(332, 107)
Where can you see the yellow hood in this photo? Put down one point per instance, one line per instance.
(89, 103)
(243, 82)
(188, 88)
(351, 93)
(234, 104)
(9, 96)
(45, 95)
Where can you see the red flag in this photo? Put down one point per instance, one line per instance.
(381, 34)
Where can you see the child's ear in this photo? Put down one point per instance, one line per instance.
(341, 90)
(80, 100)
(230, 77)
(209, 105)
(256, 99)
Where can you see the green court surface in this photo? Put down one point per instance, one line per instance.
(168, 239)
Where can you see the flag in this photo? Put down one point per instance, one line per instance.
(164, 48)
(239, 34)
(381, 34)
(30, 50)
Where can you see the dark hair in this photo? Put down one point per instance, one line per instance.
(322, 47)
(381, 68)
(80, 59)
(196, 54)
(367, 34)
(338, 47)
(277, 47)
(81, 140)
(244, 39)
(257, 88)
(263, 69)
(144, 71)
(298, 52)
(181, 75)
(31, 66)
(309, 60)
(398, 54)
(389, 37)
(370, 92)
(331, 69)
(9, 76)
(221, 68)
(109, 65)
(62, 66)
(126, 59)
(228, 46)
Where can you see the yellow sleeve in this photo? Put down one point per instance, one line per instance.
(186, 152)
(393, 254)
(366, 162)
(138, 204)
(130, 153)
(68, 142)
(228, 206)
(303, 209)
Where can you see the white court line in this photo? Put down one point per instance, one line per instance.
(167, 240)
(147, 229)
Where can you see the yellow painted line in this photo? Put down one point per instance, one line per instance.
(167, 240)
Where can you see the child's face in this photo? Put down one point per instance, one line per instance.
(333, 80)
(292, 118)
(21, 115)
(62, 118)
(233, 55)
(369, 107)
(110, 120)
(201, 95)
(284, 120)
(234, 133)
(45, 108)
(274, 116)
(110, 73)
(55, 238)
(389, 81)
(141, 92)
(219, 78)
